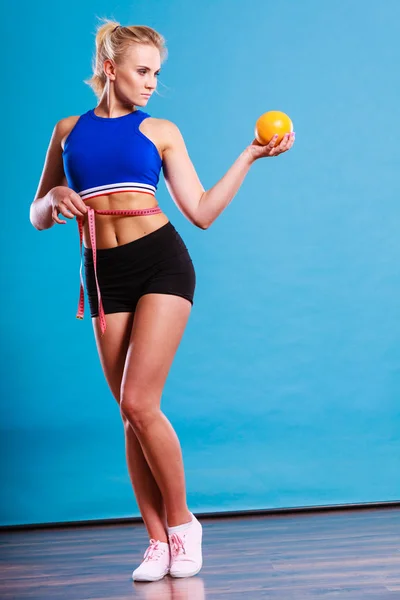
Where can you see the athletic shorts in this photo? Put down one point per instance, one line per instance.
(158, 263)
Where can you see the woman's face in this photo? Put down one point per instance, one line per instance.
(135, 77)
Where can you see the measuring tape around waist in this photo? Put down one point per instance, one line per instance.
(92, 234)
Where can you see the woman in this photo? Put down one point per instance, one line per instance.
(138, 270)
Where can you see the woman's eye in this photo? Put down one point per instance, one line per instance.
(144, 73)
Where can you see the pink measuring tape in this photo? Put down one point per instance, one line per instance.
(92, 232)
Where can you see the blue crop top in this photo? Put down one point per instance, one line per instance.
(110, 155)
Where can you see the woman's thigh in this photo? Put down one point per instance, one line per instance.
(158, 326)
(113, 346)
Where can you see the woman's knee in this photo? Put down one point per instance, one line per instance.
(138, 411)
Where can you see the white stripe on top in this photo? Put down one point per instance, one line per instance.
(117, 187)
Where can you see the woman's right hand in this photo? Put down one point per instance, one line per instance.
(67, 202)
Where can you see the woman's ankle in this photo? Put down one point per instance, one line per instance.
(156, 529)
(179, 519)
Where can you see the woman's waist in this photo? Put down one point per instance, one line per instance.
(157, 245)
(112, 230)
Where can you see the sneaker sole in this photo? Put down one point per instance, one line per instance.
(179, 575)
(143, 578)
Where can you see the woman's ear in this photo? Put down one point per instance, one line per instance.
(109, 69)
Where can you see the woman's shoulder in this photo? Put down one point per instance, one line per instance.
(64, 127)
(163, 124)
(67, 122)
(165, 131)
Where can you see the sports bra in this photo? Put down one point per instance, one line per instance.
(108, 156)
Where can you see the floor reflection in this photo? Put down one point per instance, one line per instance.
(171, 588)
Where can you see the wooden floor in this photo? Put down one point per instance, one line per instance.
(340, 554)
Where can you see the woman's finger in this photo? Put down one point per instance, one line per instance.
(77, 202)
(64, 211)
(54, 216)
(275, 151)
(271, 144)
(284, 145)
(72, 208)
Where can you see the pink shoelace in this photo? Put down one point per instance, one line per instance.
(92, 231)
(177, 545)
(151, 552)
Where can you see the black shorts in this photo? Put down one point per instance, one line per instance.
(158, 263)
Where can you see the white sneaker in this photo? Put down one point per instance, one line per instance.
(186, 556)
(156, 562)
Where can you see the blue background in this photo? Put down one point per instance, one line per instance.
(285, 391)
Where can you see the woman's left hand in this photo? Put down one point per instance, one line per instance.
(257, 150)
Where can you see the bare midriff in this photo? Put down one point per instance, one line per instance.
(116, 230)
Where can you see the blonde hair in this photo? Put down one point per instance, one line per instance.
(112, 40)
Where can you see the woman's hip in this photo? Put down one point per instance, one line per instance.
(159, 254)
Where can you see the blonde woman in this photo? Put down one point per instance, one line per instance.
(103, 168)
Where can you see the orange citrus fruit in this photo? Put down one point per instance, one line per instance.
(271, 123)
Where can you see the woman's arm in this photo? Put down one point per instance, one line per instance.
(52, 175)
(214, 201)
(40, 213)
(199, 206)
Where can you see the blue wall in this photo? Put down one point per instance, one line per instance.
(285, 391)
